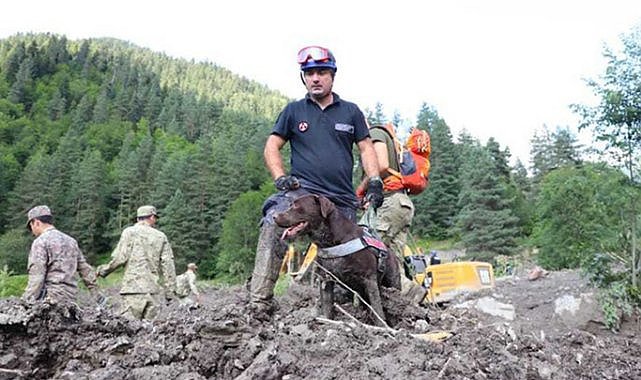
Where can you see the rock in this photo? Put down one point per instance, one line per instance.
(421, 325)
(6, 359)
(301, 330)
(490, 306)
(536, 273)
(578, 311)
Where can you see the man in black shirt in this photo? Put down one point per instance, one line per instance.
(321, 129)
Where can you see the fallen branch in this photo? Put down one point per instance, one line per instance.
(335, 323)
(442, 371)
(369, 327)
(433, 336)
(359, 324)
(14, 371)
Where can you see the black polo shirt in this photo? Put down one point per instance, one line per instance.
(321, 143)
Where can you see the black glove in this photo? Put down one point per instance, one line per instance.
(374, 193)
(287, 182)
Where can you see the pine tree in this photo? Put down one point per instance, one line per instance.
(57, 105)
(553, 150)
(89, 191)
(379, 115)
(11, 66)
(22, 89)
(127, 181)
(436, 207)
(485, 223)
(29, 189)
(177, 221)
(9, 173)
(500, 158)
(64, 163)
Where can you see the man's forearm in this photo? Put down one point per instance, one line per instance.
(36, 283)
(368, 158)
(273, 159)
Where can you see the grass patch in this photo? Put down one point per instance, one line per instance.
(12, 285)
(282, 284)
(113, 280)
(428, 245)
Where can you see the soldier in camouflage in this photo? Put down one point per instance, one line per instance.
(147, 256)
(53, 261)
(186, 285)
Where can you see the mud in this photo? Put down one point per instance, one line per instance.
(219, 340)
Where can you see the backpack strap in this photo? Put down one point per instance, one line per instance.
(398, 149)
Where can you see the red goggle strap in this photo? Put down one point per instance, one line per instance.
(316, 53)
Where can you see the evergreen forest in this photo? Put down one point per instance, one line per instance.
(96, 128)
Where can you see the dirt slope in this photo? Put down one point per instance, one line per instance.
(220, 341)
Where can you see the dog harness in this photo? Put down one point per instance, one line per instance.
(354, 245)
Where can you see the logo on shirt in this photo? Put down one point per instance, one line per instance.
(302, 126)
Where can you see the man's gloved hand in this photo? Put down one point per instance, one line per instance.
(287, 182)
(374, 193)
(170, 296)
(101, 271)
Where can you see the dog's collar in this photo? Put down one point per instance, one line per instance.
(354, 245)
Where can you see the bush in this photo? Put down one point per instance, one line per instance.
(617, 300)
(11, 285)
(578, 213)
(14, 250)
(237, 245)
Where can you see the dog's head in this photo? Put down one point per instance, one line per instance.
(305, 215)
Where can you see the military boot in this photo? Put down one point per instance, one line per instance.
(269, 257)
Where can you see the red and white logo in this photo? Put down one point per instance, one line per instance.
(302, 126)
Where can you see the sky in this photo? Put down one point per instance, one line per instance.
(492, 68)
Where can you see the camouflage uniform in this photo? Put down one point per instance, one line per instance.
(53, 261)
(394, 219)
(186, 284)
(146, 254)
(393, 222)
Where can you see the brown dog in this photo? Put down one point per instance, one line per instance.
(317, 217)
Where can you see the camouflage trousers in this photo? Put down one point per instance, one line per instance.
(393, 221)
(140, 306)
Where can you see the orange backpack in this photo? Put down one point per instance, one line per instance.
(413, 160)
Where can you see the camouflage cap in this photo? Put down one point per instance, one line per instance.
(36, 212)
(146, 211)
(192, 266)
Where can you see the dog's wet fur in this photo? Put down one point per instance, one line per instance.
(318, 218)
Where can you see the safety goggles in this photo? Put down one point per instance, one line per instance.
(316, 53)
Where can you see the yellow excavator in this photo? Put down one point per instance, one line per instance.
(443, 281)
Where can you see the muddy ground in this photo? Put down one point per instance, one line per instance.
(220, 341)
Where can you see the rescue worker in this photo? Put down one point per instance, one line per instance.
(186, 285)
(321, 130)
(147, 256)
(394, 217)
(53, 261)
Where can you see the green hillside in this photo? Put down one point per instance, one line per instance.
(95, 128)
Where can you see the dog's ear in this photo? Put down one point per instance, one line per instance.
(326, 206)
